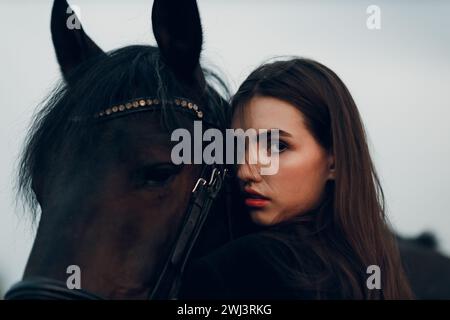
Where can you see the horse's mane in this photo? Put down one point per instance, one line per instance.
(124, 74)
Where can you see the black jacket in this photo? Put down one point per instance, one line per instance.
(257, 266)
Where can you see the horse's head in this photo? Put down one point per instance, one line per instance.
(98, 157)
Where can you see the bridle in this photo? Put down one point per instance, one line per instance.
(40, 288)
(207, 187)
(168, 283)
(204, 193)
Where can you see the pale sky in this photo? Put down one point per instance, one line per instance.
(399, 76)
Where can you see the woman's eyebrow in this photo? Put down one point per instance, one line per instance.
(281, 133)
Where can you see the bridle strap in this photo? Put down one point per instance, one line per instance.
(40, 288)
(204, 193)
(168, 284)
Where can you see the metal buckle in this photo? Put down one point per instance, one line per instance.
(216, 180)
(199, 181)
(213, 179)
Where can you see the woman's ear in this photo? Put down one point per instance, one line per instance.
(331, 166)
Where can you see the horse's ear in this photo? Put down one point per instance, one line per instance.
(72, 45)
(178, 32)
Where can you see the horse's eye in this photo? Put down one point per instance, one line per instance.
(157, 175)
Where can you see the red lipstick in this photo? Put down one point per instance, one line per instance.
(254, 198)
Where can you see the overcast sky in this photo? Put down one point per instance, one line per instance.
(399, 76)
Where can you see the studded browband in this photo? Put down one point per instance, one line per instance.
(148, 103)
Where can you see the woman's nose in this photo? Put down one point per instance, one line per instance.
(248, 173)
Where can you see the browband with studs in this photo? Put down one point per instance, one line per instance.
(142, 103)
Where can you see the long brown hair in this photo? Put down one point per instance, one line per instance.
(354, 232)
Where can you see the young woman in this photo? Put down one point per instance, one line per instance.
(321, 216)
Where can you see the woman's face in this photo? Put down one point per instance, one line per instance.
(304, 165)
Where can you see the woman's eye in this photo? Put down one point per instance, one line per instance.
(278, 147)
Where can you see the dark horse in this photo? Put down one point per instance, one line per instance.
(98, 164)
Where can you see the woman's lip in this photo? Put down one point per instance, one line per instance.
(258, 203)
(254, 194)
